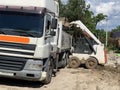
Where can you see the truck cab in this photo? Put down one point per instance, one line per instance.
(28, 38)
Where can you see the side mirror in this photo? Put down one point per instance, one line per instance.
(52, 33)
(54, 23)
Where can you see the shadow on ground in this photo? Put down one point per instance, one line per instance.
(20, 83)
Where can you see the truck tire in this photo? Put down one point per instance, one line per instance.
(56, 63)
(91, 63)
(74, 62)
(67, 58)
(49, 71)
(64, 61)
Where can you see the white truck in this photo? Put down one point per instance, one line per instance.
(88, 49)
(32, 42)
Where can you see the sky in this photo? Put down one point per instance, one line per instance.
(111, 8)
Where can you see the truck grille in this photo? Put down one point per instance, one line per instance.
(17, 48)
(10, 63)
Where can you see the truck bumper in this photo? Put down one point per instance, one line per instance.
(24, 75)
(31, 70)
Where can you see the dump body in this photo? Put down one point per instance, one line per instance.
(65, 39)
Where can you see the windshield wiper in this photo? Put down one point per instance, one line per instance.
(29, 33)
(21, 32)
(2, 32)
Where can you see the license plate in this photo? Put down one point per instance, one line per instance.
(6, 74)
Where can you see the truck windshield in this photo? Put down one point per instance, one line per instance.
(21, 23)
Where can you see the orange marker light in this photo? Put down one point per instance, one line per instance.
(14, 39)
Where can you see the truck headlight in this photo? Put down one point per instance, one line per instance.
(33, 65)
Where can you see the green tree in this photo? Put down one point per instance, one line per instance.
(75, 10)
(101, 35)
(62, 9)
(116, 29)
(113, 42)
(78, 10)
(99, 17)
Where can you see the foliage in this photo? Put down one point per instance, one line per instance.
(99, 17)
(75, 10)
(113, 41)
(116, 29)
(61, 9)
(78, 10)
(101, 35)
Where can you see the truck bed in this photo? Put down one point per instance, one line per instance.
(64, 40)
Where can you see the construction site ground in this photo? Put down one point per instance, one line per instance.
(103, 78)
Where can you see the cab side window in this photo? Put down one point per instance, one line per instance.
(48, 24)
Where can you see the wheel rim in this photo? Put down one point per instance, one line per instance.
(91, 63)
(74, 62)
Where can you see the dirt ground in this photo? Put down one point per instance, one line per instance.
(103, 78)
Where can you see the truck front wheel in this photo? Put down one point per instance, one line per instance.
(91, 63)
(49, 71)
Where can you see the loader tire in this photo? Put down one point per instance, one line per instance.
(74, 62)
(91, 63)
